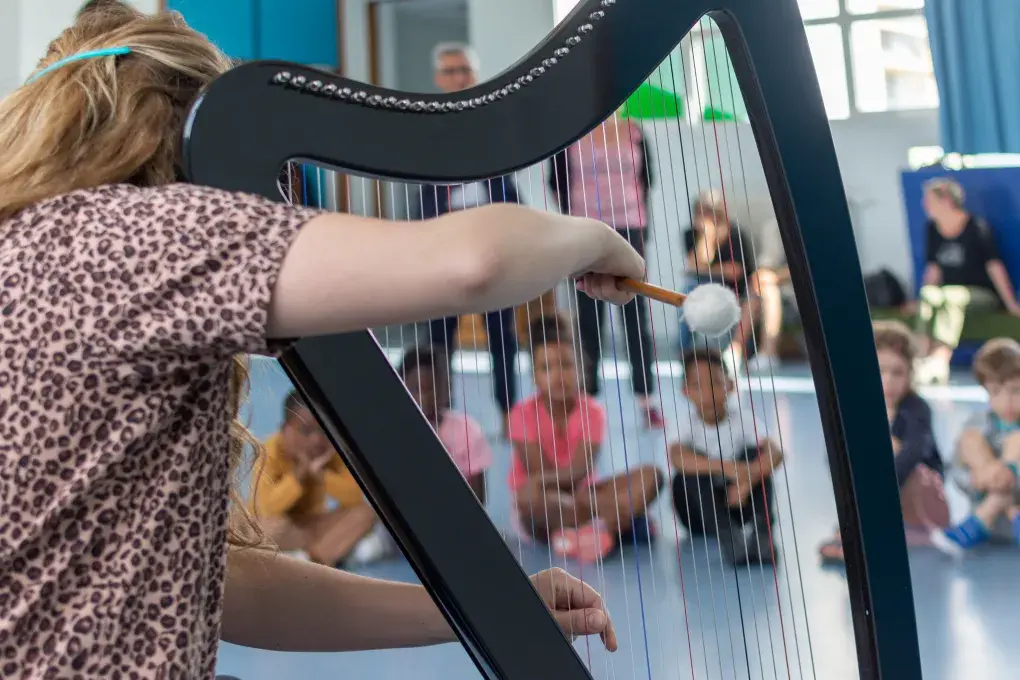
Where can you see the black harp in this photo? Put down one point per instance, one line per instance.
(260, 115)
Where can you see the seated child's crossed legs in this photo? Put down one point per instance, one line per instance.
(545, 508)
(1005, 499)
(327, 537)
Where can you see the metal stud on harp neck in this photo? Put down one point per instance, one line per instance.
(379, 101)
(584, 72)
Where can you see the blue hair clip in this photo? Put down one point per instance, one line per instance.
(91, 54)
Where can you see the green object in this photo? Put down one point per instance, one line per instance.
(715, 115)
(651, 102)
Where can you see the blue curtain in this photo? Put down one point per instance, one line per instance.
(976, 48)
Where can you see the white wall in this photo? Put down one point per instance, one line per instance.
(417, 34)
(28, 26)
(10, 25)
(503, 32)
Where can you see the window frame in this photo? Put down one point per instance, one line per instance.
(845, 20)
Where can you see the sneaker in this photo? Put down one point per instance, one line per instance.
(589, 543)
(761, 363)
(377, 546)
(958, 540)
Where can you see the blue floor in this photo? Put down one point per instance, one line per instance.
(701, 619)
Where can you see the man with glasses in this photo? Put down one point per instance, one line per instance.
(456, 69)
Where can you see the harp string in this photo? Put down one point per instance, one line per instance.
(599, 353)
(694, 347)
(742, 338)
(628, 349)
(588, 446)
(676, 408)
(644, 203)
(587, 439)
(764, 422)
(779, 433)
(699, 482)
(658, 377)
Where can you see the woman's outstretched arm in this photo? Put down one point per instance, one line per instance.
(279, 603)
(344, 273)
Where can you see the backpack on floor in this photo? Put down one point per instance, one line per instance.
(883, 289)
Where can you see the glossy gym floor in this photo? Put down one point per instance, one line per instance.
(733, 622)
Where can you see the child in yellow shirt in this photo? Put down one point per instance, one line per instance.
(300, 473)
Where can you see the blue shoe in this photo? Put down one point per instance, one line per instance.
(965, 536)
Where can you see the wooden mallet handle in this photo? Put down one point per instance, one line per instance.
(663, 295)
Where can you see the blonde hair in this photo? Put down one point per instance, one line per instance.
(115, 120)
(947, 189)
(998, 360)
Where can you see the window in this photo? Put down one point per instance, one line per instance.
(873, 6)
(886, 58)
(870, 56)
(892, 65)
(819, 9)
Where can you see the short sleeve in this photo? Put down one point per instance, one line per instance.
(523, 422)
(478, 454)
(681, 431)
(977, 421)
(594, 416)
(689, 240)
(752, 431)
(985, 240)
(192, 269)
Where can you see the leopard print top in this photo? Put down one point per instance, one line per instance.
(120, 308)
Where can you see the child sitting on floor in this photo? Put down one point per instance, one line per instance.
(918, 464)
(556, 436)
(427, 376)
(300, 472)
(987, 465)
(724, 464)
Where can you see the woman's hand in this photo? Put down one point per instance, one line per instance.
(617, 260)
(575, 605)
(603, 287)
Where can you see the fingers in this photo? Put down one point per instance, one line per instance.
(604, 287)
(573, 593)
(576, 606)
(589, 622)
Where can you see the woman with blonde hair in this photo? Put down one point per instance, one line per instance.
(125, 302)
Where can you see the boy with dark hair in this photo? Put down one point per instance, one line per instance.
(300, 473)
(724, 464)
(987, 465)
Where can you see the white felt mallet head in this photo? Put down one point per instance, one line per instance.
(711, 309)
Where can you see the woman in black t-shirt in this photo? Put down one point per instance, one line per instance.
(963, 273)
(720, 251)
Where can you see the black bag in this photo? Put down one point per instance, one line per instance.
(884, 289)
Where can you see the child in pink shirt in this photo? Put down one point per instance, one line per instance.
(556, 437)
(427, 376)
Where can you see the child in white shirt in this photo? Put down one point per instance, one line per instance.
(724, 464)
